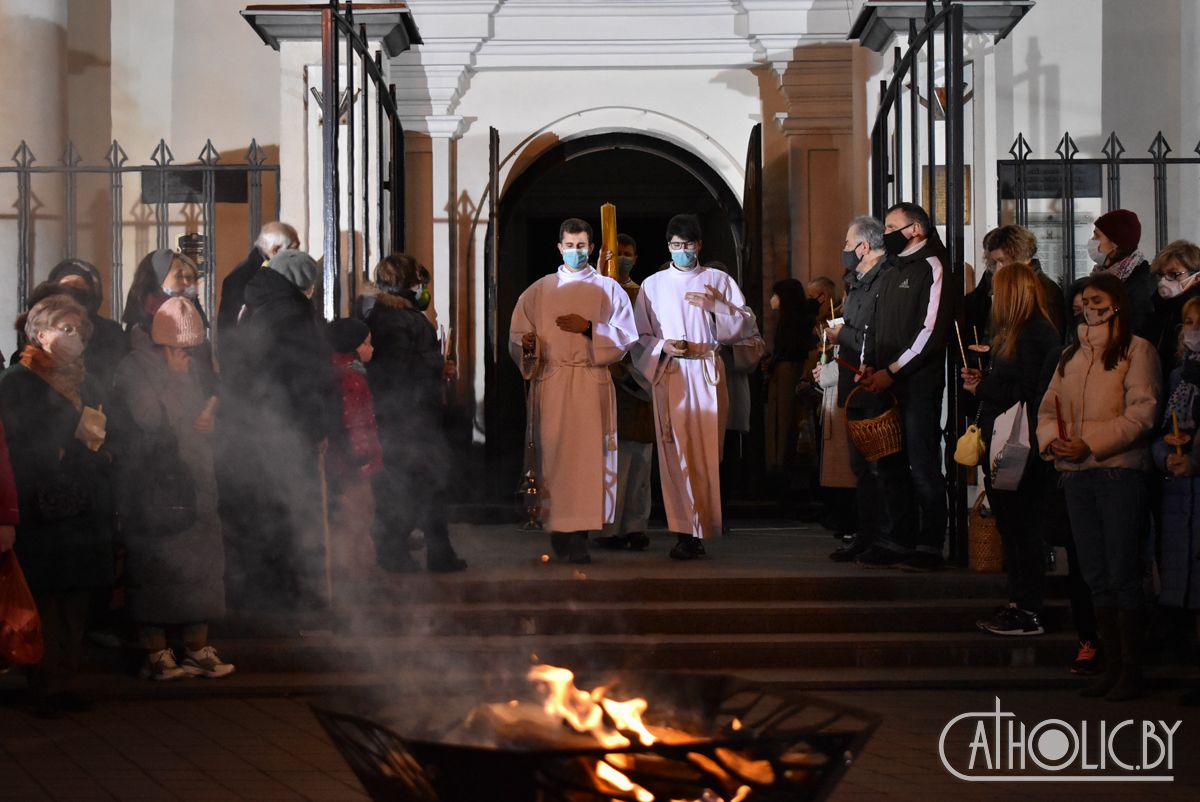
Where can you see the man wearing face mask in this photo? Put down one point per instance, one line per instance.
(865, 260)
(684, 313)
(635, 432)
(1113, 248)
(1178, 269)
(567, 328)
(905, 351)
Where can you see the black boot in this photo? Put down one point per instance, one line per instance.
(1110, 640)
(441, 559)
(577, 549)
(1129, 683)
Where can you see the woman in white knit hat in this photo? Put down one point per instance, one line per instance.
(167, 497)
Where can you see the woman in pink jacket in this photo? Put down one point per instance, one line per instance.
(1095, 423)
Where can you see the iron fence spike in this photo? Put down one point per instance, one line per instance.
(1159, 147)
(1113, 147)
(209, 155)
(23, 156)
(116, 155)
(255, 154)
(71, 156)
(162, 155)
(1066, 147)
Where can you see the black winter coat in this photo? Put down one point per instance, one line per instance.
(1142, 286)
(1024, 376)
(1165, 324)
(405, 375)
(284, 365)
(233, 290)
(56, 474)
(858, 311)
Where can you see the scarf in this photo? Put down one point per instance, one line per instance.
(1123, 268)
(64, 379)
(1183, 398)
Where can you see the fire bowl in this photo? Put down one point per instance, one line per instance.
(729, 741)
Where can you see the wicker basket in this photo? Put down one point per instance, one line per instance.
(878, 437)
(985, 549)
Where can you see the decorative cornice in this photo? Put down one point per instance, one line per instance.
(437, 126)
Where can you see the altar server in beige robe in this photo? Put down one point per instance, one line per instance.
(684, 313)
(567, 328)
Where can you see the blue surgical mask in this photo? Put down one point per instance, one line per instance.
(575, 259)
(684, 260)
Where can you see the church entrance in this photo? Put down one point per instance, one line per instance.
(649, 180)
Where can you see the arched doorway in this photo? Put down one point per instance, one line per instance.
(649, 180)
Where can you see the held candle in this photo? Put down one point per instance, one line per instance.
(608, 239)
(1175, 431)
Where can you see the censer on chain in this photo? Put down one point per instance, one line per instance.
(530, 489)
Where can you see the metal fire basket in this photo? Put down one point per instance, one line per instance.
(808, 742)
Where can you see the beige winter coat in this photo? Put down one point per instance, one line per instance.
(1113, 410)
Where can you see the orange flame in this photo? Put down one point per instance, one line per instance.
(584, 711)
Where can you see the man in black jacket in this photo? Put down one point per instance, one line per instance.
(905, 352)
(866, 262)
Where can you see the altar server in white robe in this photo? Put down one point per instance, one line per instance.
(567, 328)
(684, 313)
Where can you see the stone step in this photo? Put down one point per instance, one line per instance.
(663, 617)
(326, 651)
(587, 585)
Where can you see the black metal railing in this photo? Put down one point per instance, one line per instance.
(163, 184)
(337, 27)
(889, 138)
(1068, 178)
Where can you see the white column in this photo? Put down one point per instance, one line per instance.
(33, 45)
(444, 132)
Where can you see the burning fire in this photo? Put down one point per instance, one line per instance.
(613, 723)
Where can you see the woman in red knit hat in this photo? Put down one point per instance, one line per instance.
(1114, 249)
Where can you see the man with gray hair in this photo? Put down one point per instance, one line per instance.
(273, 238)
(864, 259)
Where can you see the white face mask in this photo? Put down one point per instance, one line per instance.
(1191, 340)
(1169, 287)
(1093, 249)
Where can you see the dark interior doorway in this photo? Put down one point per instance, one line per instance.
(649, 180)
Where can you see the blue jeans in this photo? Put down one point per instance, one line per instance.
(1110, 514)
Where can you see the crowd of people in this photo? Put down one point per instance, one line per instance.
(212, 466)
(1085, 405)
(190, 473)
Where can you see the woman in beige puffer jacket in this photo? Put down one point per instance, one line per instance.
(1107, 389)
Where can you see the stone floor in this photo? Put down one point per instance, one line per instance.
(263, 749)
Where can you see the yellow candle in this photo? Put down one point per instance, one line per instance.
(608, 239)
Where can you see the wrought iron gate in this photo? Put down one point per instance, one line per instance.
(1067, 178)
(163, 183)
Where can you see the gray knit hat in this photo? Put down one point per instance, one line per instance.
(162, 259)
(296, 266)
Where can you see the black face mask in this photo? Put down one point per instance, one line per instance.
(895, 242)
(850, 260)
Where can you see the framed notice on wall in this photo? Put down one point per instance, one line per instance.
(940, 190)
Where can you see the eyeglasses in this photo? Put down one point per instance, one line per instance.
(690, 245)
(66, 328)
(1177, 275)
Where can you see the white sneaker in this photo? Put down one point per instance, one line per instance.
(206, 663)
(161, 665)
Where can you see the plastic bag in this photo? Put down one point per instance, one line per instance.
(20, 625)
